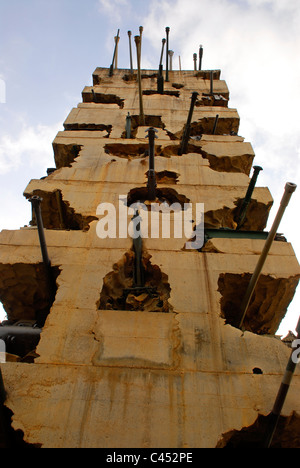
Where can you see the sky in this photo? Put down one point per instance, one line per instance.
(49, 50)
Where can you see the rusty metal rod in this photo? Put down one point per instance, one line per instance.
(215, 124)
(116, 56)
(151, 174)
(138, 51)
(167, 54)
(200, 57)
(289, 190)
(162, 51)
(281, 396)
(130, 52)
(128, 125)
(160, 80)
(247, 199)
(195, 61)
(187, 129)
(36, 205)
(111, 70)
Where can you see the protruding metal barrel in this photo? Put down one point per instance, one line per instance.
(289, 190)
(130, 52)
(247, 199)
(281, 396)
(138, 52)
(162, 51)
(128, 125)
(215, 124)
(36, 205)
(116, 55)
(151, 174)
(160, 80)
(200, 57)
(111, 70)
(187, 129)
(195, 61)
(167, 54)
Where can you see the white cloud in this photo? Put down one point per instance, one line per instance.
(31, 147)
(112, 8)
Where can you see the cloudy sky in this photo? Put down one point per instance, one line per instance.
(49, 49)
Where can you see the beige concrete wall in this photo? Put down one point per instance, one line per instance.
(137, 378)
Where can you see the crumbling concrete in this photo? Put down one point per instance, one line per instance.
(164, 369)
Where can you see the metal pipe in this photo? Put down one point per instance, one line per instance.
(247, 199)
(162, 51)
(130, 52)
(167, 58)
(187, 129)
(151, 174)
(36, 205)
(141, 29)
(289, 190)
(111, 70)
(179, 63)
(215, 124)
(128, 126)
(160, 80)
(195, 61)
(138, 51)
(200, 57)
(116, 55)
(281, 396)
(7, 331)
(171, 53)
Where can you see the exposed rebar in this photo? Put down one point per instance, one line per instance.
(281, 396)
(289, 190)
(151, 174)
(138, 52)
(200, 57)
(195, 61)
(111, 70)
(187, 128)
(130, 52)
(247, 199)
(167, 54)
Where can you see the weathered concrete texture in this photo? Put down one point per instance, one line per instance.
(119, 407)
(165, 366)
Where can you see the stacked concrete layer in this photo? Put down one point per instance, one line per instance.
(146, 378)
